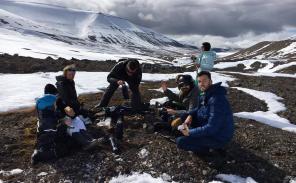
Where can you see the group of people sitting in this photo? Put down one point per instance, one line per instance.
(201, 112)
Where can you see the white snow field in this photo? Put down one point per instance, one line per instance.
(21, 90)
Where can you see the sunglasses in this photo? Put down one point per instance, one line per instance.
(72, 70)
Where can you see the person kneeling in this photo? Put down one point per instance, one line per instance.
(52, 140)
(210, 125)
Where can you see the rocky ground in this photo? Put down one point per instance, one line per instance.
(259, 151)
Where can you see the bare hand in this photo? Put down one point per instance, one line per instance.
(69, 111)
(188, 120)
(68, 122)
(120, 82)
(185, 130)
(197, 66)
(171, 111)
(164, 85)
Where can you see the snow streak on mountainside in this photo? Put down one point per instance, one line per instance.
(39, 29)
(285, 49)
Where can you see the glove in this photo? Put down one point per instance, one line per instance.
(176, 122)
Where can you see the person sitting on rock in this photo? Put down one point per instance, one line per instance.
(210, 125)
(128, 71)
(186, 100)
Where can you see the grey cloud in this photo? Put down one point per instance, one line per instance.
(229, 18)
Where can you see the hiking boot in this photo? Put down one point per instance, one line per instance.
(35, 157)
(94, 144)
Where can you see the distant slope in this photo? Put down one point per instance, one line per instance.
(285, 49)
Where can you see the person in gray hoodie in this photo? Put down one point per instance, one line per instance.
(205, 61)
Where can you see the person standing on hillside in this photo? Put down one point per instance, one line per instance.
(205, 61)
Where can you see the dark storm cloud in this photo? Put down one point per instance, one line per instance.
(227, 19)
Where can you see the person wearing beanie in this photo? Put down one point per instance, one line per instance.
(186, 100)
(128, 71)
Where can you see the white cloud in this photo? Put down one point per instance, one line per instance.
(148, 17)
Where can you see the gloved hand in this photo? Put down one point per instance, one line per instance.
(176, 122)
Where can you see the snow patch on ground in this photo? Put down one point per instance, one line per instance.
(224, 54)
(268, 70)
(159, 100)
(261, 74)
(267, 117)
(289, 49)
(235, 178)
(182, 61)
(143, 153)
(246, 63)
(138, 178)
(42, 174)
(11, 172)
(270, 99)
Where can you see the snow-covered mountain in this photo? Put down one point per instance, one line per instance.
(39, 30)
(284, 49)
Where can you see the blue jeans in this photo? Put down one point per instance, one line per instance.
(198, 144)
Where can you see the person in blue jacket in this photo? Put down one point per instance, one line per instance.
(210, 125)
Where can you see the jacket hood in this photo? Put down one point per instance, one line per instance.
(216, 89)
(47, 101)
(62, 78)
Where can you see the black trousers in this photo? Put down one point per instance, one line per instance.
(135, 98)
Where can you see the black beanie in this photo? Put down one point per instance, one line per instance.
(50, 89)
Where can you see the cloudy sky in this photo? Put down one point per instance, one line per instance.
(238, 23)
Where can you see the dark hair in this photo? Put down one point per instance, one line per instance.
(185, 80)
(206, 46)
(207, 73)
(50, 89)
(133, 64)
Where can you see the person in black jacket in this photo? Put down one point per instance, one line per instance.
(126, 71)
(67, 101)
(75, 117)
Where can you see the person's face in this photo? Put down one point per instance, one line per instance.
(130, 72)
(204, 82)
(70, 74)
(185, 88)
(202, 48)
